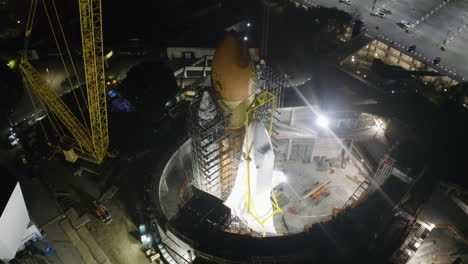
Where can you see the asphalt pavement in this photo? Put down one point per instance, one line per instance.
(436, 23)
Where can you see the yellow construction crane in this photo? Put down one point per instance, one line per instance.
(88, 141)
(93, 57)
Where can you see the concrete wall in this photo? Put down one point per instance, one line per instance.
(327, 147)
(176, 171)
(178, 52)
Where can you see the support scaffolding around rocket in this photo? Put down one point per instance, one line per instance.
(217, 126)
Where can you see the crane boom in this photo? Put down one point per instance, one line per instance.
(89, 144)
(57, 106)
(93, 57)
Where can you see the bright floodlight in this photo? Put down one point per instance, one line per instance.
(248, 24)
(246, 38)
(322, 121)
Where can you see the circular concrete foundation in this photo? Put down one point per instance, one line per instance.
(301, 206)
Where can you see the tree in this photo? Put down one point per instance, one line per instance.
(11, 89)
(69, 84)
(148, 86)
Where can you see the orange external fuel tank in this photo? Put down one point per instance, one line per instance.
(232, 76)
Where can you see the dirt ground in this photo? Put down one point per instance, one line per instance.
(118, 239)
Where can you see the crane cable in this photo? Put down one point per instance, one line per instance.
(71, 61)
(54, 123)
(64, 64)
(34, 105)
(29, 24)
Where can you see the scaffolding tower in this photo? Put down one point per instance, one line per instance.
(214, 158)
(384, 170)
(211, 146)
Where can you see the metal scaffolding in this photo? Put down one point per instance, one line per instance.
(208, 129)
(216, 154)
(384, 170)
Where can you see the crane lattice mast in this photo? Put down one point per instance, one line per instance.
(87, 144)
(93, 57)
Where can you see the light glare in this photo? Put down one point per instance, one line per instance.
(322, 121)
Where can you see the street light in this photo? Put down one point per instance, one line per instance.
(322, 121)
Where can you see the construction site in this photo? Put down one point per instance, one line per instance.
(304, 168)
(242, 164)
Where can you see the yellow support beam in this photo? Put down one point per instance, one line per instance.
(261, 99)
(58, 218)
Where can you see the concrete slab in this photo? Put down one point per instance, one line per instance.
(72, 215)
(107, 195)
(93, 246)
(85, 253)
(82, 221)
(76, 220)
(118, 239)
(300, 212)
(42, 209)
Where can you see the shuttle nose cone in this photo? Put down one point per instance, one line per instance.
(232, 71)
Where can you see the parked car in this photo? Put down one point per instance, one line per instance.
(346, 2)
(379, 14)
(405, 24)
(385, 11)
(11, 141)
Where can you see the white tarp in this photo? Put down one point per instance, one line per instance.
(261, 181)
(14, 221)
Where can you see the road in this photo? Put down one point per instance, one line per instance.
(436, 23)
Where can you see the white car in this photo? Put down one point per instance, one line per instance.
(405, 24)
(379, 14)
(345, 1)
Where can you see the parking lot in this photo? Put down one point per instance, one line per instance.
(435, 24)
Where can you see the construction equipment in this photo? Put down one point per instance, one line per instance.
(317, 190)
(102, 212)
(88, 141)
